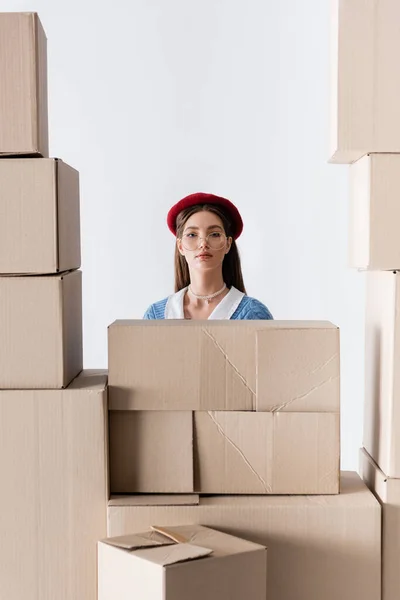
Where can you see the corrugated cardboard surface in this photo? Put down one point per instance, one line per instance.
(151, 451)
(382, 376)
(205, 564)
(225, 453)
(375, 212)
(366, 83)
(319, 547)
(53, 503)
(241, 365)
(41, 330)
(40, 222)
(298, 368)
(266, 453)
(23, 90)
(387, 491)
(154, 499)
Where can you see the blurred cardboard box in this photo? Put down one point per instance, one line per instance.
(318, 546)
(365, 78)
(382, 374)
(224, 365)
(53, 506)
(375, 212)
(23, 89)
(40, 222)
(41, 330)
(387, 491)
(224, 452)
(181, 562)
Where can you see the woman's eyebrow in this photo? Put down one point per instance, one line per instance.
(210, 227)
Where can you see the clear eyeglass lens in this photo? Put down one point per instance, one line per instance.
(215, 240)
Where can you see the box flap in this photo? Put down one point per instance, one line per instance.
(154, 500)
(135, 541)
(170, 555)
(221, 543)
(171, 534)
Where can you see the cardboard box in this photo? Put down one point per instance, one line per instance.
(267, 453)
(318, 546)
(365, 78)
(151, 451)
(23, 90)
(40, 223)
(375, 212)
(227, 365)
(181, 562)
(387, 491)
(41, 330)
(382, 375)
(53, 506)
(226, 452)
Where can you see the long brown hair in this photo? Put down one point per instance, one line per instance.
(231, 267)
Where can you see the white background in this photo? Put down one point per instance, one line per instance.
(152, 100)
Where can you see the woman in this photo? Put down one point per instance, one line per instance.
(208, 276)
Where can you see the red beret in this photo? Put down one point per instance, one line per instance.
(202, 198)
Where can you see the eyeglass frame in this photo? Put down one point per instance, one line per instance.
(204, 238)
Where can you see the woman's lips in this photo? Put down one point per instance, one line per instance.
(204, 256)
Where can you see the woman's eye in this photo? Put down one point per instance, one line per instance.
(189, 235)
(215, 234)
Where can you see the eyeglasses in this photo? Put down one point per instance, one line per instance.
(215, 240)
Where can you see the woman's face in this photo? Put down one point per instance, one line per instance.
(202, 253)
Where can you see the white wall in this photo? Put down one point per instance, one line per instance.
(155, 99)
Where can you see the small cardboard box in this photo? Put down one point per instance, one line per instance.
(224, 365)
(375, 212)
(41, 330)
(382, 373)
(224, 452)
(180, 563)
(40, 223)
(319, 547)
(387, 491)
(151, 451)
(365, 76)
(53, 506)
(23, 89)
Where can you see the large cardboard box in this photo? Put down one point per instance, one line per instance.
(41, 330)
(318, 546)
(224, 365)
(23, 89)
(387, 490)
(224, 452)
(179, 563)
(382, 373)
(375, 212)
(53, 505)
(365, 75)
(39, 210)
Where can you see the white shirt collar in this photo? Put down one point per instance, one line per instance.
(223, 310)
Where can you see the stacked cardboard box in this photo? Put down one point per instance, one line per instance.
(52, 415)
(181, 562)
(366, 134)
(256, 406)
(210, 421)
